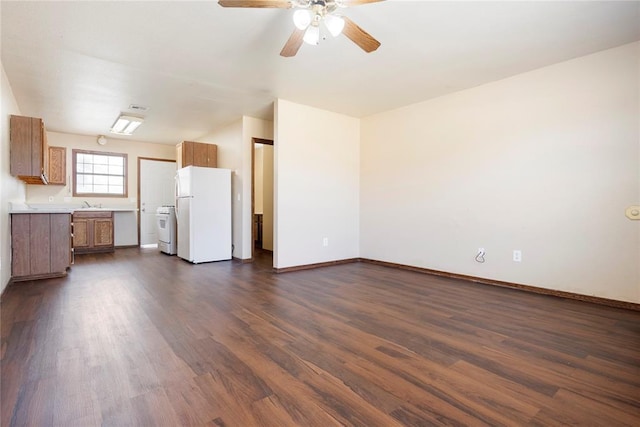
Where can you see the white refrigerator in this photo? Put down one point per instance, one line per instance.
(203, 213)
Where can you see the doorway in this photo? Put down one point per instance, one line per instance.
(156, 187)
(262, 196)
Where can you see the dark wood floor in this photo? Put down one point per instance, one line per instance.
(137, 338)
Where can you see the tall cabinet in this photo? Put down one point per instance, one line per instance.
(190, 153)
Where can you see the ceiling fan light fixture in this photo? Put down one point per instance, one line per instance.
(312, 35)
(335, 24)
(302, 18)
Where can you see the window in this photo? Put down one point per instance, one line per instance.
(99, 174)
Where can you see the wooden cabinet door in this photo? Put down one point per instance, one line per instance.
(184, 154)
(212, 155)
(200, 154)
(28, 153)
(20, 152)
(60, 242)
(102, 232)
(80, 232)
(57, 166)
(40, 244)
(20, 226)
(44, 151)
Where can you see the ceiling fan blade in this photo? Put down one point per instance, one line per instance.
(293, 44)
(349, 3)
(359, 36)
(282, 4)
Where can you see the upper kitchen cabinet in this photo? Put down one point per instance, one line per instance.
(57, 166)
(29, 156)
(191, 153)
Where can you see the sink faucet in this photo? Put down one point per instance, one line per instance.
(86, 204)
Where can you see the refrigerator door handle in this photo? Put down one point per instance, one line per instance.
(177, 180)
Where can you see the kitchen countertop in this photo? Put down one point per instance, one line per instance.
(70, 210)
(107, 209)
(26, 209)
(43, 211)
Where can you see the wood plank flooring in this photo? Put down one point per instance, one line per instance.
(137, 338)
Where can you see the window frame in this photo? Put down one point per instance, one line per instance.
(74, 157)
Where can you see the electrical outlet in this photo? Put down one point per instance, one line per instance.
(517, 256)
(325, 241)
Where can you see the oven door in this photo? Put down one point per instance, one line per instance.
(164, 228)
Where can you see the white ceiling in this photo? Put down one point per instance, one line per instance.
(198, 65)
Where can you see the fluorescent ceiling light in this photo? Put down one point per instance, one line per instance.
(126, 125)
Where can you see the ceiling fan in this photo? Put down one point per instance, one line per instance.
(310, 17)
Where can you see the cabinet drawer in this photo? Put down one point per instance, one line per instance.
(92, 214)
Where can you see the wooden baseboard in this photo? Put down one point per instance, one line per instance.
(527, 288)
(318, 265)
(37, 277)
(126, 246)
(242, 260)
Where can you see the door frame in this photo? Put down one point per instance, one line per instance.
(138, 195)
(255, 141)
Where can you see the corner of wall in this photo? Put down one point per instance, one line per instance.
(11, 189)
(316, 185)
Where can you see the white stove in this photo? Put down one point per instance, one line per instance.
(166, 219)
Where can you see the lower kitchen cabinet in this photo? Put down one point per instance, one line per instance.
(93, 232)
(40, 245)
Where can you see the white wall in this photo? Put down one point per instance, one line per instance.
(11, 189)
(234, 152)
(258, 179)
(263, 191)
(126, 232)
(316, 162)
(251, 128)
(545, 162)
(267, 191)
(133, 149)
(229, 142)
